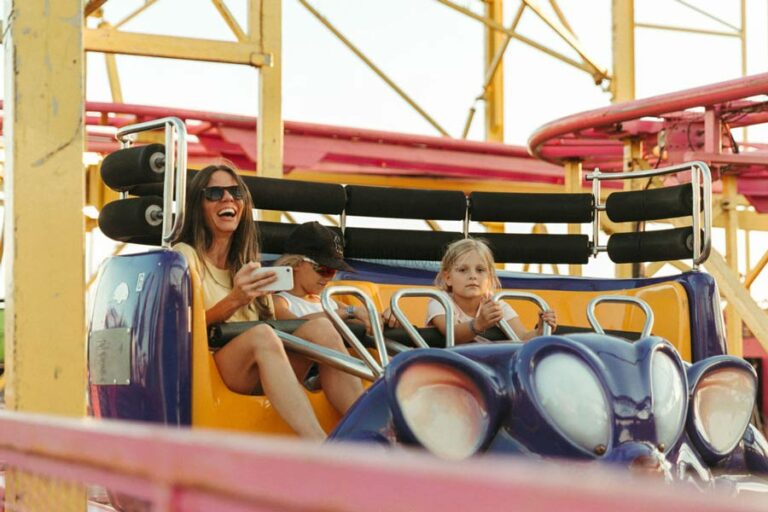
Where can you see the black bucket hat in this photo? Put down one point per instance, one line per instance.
(319, 244)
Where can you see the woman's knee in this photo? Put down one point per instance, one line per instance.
(263, 339)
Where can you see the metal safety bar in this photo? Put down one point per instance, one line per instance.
(174, 197)
(331, 308)
(530, 297)
(440, 296)
(701, 177)
(326, 356)
(622, 299)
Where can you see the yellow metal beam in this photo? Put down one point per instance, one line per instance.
(738, 297)
(270, 130)
(623, 83)
(415, 182)
(495, 45)
(530, 42)
(45, 292)
(573, 181)
(566, 35)
(92, 6)
(264, 27)
(673, 28)
(134, 13)
(107, 40)
(368, 62)
(755, 271)
(230, 20)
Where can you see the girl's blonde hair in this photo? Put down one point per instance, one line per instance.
(288, 260)
(458, 249)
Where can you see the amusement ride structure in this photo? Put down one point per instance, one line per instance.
(45, 327)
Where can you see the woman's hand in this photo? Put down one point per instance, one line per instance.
(246, 285)
(548, 317)
(489, 314)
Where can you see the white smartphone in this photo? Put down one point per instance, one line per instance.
(284, 278)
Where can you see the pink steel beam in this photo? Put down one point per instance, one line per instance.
(182, 470)
(548, 141)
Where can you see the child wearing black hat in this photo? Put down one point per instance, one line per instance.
(316, 253)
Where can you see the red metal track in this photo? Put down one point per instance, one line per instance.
(693, 124)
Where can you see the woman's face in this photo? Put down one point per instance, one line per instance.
(222, 216)
(470, 276)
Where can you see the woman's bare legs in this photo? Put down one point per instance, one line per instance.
(258, 354)
(342, 389)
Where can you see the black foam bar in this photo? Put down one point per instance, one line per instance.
(522, 207)
(397, 244)
(133, 220)
(272, 235)
(296, 196)
(653, 204)
(221, 334)
(526, 248)
(277, 194)
(125, 168)
(663, 245)
(405, 203)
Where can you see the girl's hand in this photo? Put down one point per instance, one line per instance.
(389, 320)
(361, 314)
(489, 314)
(246, 286)
(548, 317)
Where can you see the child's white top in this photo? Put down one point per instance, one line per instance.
(300, 306)
(434, 308)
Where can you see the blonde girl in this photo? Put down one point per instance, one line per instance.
(468, 274)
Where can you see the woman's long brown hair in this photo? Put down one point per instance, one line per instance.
(244, 246)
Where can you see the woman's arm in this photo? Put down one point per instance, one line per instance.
(246, 287)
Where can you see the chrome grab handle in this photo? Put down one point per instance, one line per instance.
(701, 212)
(331, 307)
(441, 297)
(531, 297)
(326, 356)
(624, 299)
(174, 198)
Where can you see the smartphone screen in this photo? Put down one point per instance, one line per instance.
(284, 278)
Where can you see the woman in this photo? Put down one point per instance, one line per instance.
(219, 240)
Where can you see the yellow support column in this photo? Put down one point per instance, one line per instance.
(44, 190)
(265, 19)
(732, 317)
(633, 161)
(623, 80)
(572, 186)
(264, 28)
(494, 94)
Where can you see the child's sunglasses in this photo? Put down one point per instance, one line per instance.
(217, 193)
(321, 270)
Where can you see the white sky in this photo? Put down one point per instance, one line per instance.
(436, 55)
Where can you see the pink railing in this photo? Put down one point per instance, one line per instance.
(182, 470)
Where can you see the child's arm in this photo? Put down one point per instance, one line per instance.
(525, 335)
(464, 332)
(283, 312)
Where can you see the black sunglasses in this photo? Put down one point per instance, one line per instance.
(217, 193)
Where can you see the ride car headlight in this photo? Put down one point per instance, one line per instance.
(722, 406)
(443, 408)
(668, 396)
(573, 398)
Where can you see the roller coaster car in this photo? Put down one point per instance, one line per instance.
(679, 408)
(580, 396)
